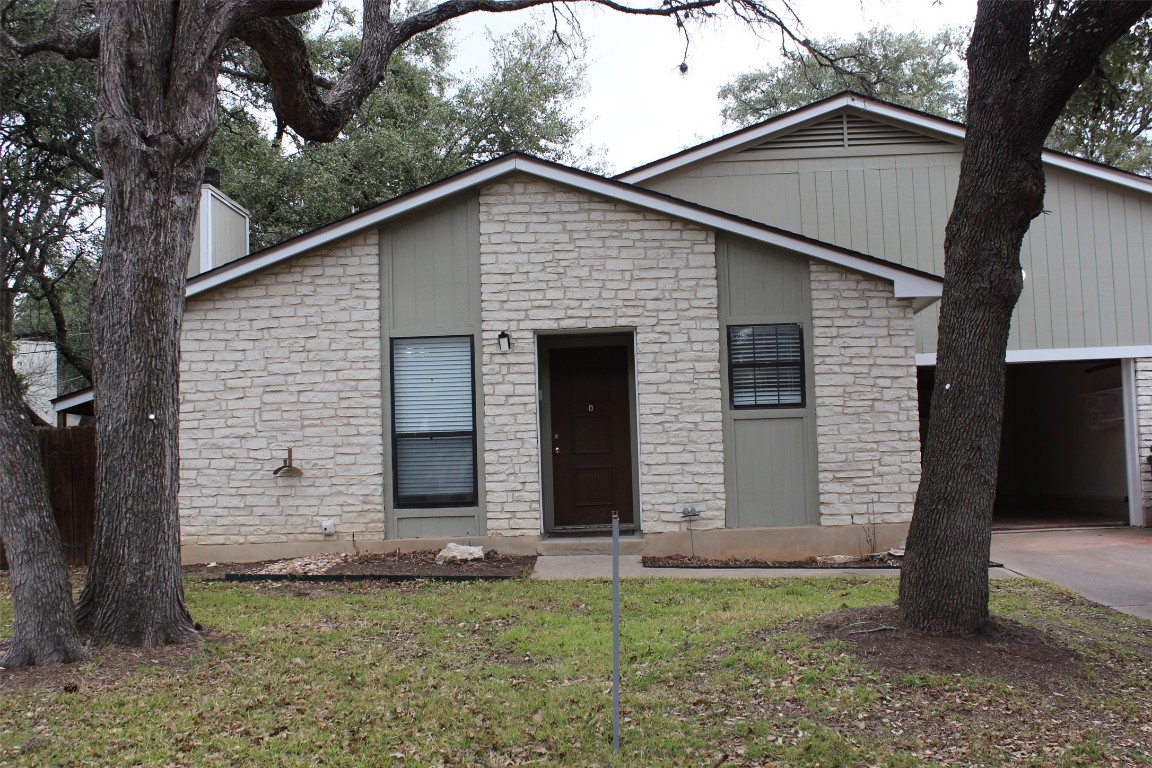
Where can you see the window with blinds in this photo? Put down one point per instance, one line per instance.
(766, 366)
(433, 422)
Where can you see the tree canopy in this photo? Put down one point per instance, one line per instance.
(49, 194)
(420, 125)
(908, 68)
(1108, 119)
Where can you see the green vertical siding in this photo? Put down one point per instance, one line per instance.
(434, 264)
(769, 473)
(229, 233)
(769, 454)
(892, 207)
(1087, 258)
(430, 281)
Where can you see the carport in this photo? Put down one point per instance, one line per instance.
(1069, 455)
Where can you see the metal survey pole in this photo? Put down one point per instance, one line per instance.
(615, 632)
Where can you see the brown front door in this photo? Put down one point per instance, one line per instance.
(591, 436)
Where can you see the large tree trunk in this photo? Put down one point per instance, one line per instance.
(134, 594)
(152, 139)
(1015, 94)
(44, 630)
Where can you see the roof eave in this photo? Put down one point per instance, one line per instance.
(909, 281)
(938, 126)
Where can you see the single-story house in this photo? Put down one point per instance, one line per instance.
(523, 350)
(739, 338)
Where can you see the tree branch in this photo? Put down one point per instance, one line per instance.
(63, 344)
(452, 9)
(1084, 32)
(63, 35)
(248, 77)
(318, 117)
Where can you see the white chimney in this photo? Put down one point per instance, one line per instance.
(221, 231)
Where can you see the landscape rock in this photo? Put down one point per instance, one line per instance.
(304, 566)
(459, 553)
(836, 559)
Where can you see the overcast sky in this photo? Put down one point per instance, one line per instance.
(640, 108)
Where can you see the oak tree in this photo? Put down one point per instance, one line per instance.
(1025, 61)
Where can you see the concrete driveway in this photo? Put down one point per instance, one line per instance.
(1111, 566)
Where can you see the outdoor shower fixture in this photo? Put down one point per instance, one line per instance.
(288, 469)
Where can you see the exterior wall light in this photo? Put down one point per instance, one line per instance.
(505, 341)
(288, 469)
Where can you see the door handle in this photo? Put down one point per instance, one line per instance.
(556, 437)
(556, 449)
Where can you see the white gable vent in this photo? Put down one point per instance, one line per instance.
(844, 131)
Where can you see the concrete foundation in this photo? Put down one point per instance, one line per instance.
(781, 544)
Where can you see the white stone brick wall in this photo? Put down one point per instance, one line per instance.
(1144, 426)
(286, 358)
(867, 422)
(35, 362)
(556, 259)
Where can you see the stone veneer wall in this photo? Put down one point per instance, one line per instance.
(555, 259)
(287, 358)
(867, 416)
(1144, 429)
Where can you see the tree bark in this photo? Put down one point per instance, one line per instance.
(44, 629)
(152, 138)
(1019, 81)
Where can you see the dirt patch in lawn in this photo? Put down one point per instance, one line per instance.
(108, 666)
(393, 564)
(1007, 650)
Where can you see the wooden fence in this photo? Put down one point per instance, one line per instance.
(69, 457)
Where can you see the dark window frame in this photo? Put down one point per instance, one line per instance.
(800, 366)
(434, 501)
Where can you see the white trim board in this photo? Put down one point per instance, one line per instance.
(1058, 355)
(862, 105)
(71, 401)
(907, 283)
(1132, 452)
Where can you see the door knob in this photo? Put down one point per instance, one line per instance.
(556, 449)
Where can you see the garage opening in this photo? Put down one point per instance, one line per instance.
(1062, 454)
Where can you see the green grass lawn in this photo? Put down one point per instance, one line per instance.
(519, 673)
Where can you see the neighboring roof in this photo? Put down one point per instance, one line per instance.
(859, 104)
(78, 402)
(907, 282)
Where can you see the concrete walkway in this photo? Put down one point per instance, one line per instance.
(1111, 566)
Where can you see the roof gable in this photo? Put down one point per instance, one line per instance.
(864, 114)
(907, 282)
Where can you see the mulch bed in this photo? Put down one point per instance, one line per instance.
(684, 561)
(392, 566)
(1006, 650)
(879, 561)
